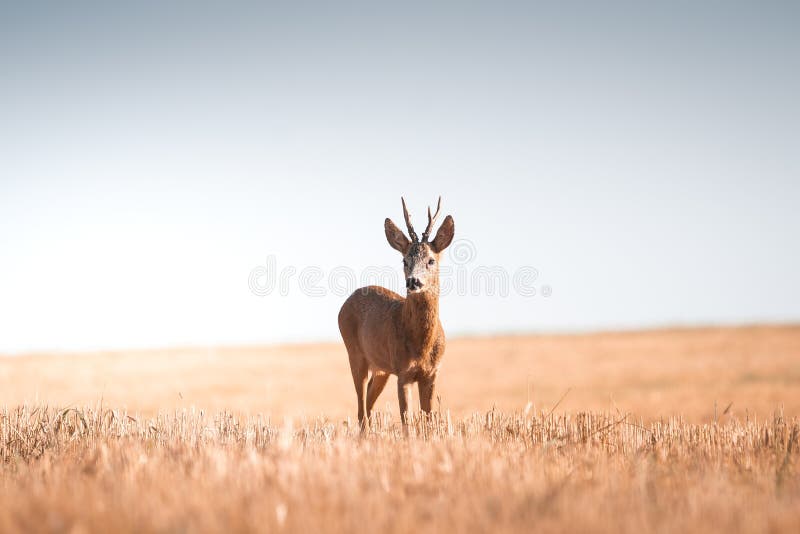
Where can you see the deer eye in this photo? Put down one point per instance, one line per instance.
(431, 261)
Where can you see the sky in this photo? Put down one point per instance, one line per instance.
(199, 174)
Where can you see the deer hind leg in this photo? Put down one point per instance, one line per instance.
(360, 371)
(376, 385)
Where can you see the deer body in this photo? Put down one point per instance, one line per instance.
(387, 334)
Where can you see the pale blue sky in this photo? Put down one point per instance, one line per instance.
(646, 160)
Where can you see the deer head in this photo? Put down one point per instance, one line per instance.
(421, 257)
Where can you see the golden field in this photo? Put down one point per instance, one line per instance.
(652, 374)
(685, 430)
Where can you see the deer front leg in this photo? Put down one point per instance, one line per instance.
(427, 389)
(404, 396)
(376, 385)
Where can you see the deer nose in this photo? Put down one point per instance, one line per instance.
(413, 283)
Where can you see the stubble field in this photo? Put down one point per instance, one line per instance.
(662, 431)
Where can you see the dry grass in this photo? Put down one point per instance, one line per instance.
(276, 451)
(103, 470)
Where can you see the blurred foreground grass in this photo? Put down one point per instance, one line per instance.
(87, 470)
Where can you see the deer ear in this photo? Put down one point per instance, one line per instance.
(396, 238)
(445, 235)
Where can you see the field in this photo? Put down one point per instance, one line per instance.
(691, 430)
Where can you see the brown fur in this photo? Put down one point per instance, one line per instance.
(385, 333)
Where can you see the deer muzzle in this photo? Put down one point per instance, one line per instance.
(413, 284)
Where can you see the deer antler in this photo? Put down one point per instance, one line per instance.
(431, 221)
(411, 233)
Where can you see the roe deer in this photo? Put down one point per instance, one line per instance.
(385, 333)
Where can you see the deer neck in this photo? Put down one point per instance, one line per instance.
(420, 319)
